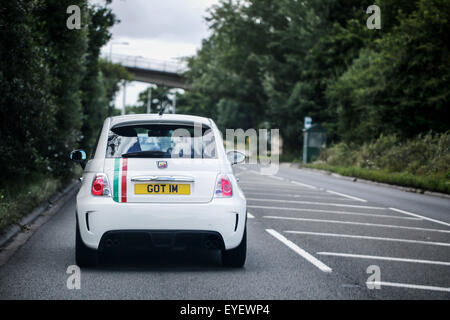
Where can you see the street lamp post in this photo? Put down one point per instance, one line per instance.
(124, 97)
(149, 100)
(174, 102)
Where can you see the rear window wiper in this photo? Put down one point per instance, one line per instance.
(146, 154)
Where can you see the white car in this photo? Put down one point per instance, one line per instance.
(160, 181)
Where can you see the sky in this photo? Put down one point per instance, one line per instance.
(156, 29)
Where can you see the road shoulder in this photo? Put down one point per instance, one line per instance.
(294, 165)
(18, 234)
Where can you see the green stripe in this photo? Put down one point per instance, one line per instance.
(116, 179)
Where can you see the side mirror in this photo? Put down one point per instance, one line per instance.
(78, 156)
(235, 157)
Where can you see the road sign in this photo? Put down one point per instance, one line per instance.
(308, 122)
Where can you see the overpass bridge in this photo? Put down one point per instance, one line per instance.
(160, 72)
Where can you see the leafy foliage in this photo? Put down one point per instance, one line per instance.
(27, 107)
(279, 61)
(65, 55)
(94, 95)
(54, 92)
(427, 154)
(113, 77)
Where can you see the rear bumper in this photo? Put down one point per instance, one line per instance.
(101, 217)
(160, 239)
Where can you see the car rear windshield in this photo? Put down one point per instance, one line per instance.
(161, 141)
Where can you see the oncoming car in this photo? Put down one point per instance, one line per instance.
(160, 181)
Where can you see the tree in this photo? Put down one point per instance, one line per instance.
(113, 77)
(65, 51)
(50, 85)
(27, 108)
(94, 99)
(400, 86)
(161, 97)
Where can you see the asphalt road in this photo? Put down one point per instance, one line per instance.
(310, 236)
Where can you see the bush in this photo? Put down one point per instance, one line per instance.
(22, 197)
(340, 154)
(290, 157)
(424, 155)
(430, 183)
(422, 162)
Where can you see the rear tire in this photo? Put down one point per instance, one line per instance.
(84, 256)
(235, 258)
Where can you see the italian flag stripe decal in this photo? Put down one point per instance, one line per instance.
(116, 179)
(120, 180)
(124, 179)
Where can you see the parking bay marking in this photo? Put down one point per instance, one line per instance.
(291, 195)
(357, 223)
(267, 184)
(406, 285)
(250, 216)
(294, 182)
(304, 185)
(346, 196)
(319, 264)
(277, 178)
(318, 203)
(369, 238)
(419, 216)
(277, 192)
(334, 212)
(363, 256)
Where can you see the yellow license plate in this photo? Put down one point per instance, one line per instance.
(162, 188)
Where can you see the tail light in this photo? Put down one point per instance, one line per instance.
(223, 187)
(100, 185)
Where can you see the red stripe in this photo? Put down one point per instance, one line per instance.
(124, 179)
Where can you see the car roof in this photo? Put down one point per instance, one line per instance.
(139, 118)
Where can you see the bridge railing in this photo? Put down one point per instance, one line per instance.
(172, 66)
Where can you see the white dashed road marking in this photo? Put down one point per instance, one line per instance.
(346, 196)
(261, 184)
(313, 196)
(304, 185)
(370, 238)
(358, 223)
(406, 285)
(277, 178)
(300, 251)
(421, 217)
(334, 212)
(363, 256)
(291, 195)
(318, 203)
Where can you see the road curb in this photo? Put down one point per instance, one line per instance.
(356, 179)
(45, 206)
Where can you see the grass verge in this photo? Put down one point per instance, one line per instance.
(19, 199)
(422, 183)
